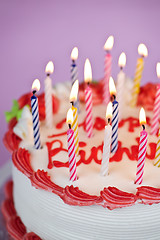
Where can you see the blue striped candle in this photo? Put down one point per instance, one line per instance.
(35, 118)
(114, 140)
(74, 72)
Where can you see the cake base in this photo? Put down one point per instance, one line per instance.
(14, 224)
(47, 215)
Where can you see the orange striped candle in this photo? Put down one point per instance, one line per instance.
(143, 52)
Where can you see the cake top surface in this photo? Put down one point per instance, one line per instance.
(123, 164)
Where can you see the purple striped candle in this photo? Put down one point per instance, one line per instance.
(35, 114)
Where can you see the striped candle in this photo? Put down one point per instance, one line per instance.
(156, 113)
(142, 148)
(74, 72)
(89, 120)
(157, 157)
(115, 112)
(141, 157)
(137, 81)
(142, 50)
(114, 140)
(88, 98)
(71, 147)
(107, 69)
(48, 95)
(75, 129)
(71, 155)
(35, 116)
(107, 74)
(73, 98)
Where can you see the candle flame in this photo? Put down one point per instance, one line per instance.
(109, 110)
(142, 50)
(87, 71)
(74, 53)
(142, 116)
(69, 116)
(122, 60)
(49, 67)
(112, 88)
(74, 91)
(36, 85)
(109, 43)
(158, 69)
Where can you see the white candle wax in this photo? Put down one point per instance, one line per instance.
(48, 101)
(106, 150)
(120, 91)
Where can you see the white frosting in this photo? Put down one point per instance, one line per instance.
(47, 215)
(24, 127)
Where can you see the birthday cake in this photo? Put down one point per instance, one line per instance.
(45, 204)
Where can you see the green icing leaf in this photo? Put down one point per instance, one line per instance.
(15, 112)
(19, 113)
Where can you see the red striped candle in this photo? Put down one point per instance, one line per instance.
(142, 149)
(88, 98)
(107, 69)
(89, 121)
(71, 154)
(156, 113)
(107, 74)
(156, 110)
(71, 147)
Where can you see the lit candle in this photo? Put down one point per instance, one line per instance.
(156, 110)
(74, 73)
(143, 52)
(107, 141)
(120, 82)
(88, 98)
(142, 148)
(73, 98)
(35, 114)
(115, 112)
(48, 94)
(107, 68)
(71, 147)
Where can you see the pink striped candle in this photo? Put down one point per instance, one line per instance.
(107, 69)
(89, 121)
(156, 110)
(88, 98)
(71, 147)
(142, 149)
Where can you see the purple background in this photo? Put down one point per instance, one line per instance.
(34, 32)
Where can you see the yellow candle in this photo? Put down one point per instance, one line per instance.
(157, 157)
(75, 129)
(142, 50)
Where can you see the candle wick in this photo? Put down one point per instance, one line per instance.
(143, 126)
(113, 97)
(88, 83)
(72, 103)
(121, 68)
(109, 120)
(69, 126)
(48, 74)
(73, 61)
(34, 91)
